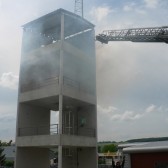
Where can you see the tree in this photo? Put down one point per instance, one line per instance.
(2, 156)
(99, 149)
(6, 143)
(109, 148)
(9, 163)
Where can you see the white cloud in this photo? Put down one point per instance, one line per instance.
(115, 114)
(108, 110)
(99, 13)
(127, 124)
(6, 110)
(134, 8)
(130, 115)
(150, 109)
(140, 11)
(151, 3)
(9, 80)
(7, 116)
(127, 116)
(129, 7)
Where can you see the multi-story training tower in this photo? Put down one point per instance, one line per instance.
(57, 73)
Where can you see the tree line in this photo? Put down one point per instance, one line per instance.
(3, 161)
(107, 148)
(148, 139)
(151, 139)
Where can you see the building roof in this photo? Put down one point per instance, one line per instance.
(57, 13)
(159, 146)
(121, 146)
(72, 23)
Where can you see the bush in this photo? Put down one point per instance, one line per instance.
(109, 148)
(9, 163)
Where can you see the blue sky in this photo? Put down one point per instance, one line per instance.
(132, 78)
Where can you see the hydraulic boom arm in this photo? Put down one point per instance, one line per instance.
(153, 34)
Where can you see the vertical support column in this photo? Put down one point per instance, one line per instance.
(96, 131)
(60, 91)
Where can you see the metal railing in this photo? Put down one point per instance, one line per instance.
(36, 85)
(53, 81)
(77, 85)
(53, 130)
(82, 131)
(86, 132)
(40, 130)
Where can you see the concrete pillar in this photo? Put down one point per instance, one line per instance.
(60, 90)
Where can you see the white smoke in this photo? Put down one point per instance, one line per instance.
(9, 80)
(151, 3)
(99, 13)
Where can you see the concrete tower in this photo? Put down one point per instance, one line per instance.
(57, 73)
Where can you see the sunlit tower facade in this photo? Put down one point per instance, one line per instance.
(57, 73)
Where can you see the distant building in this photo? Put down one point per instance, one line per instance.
(146, 155)
(106, 158)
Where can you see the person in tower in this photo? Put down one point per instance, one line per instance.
(118, 163)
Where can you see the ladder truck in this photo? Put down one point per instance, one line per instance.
(150, 34)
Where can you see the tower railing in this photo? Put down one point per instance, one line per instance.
(38, 84)
(39, 130)
(53, 81)
(76, 85)
(53, 130)
(82, 131)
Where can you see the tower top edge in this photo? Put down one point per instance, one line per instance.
(55, 15)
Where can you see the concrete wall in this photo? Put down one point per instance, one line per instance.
(87, 120)
(75, 93)
(79, 141)
(40, 140)
(69, 158)
(40, 93)
(33, 120)
(87, 158)
(32, 158)
(79, 157)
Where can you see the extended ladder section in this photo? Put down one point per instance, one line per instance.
(79, 7)
(152, 34)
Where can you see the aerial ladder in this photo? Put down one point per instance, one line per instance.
(150, 34)
(79, 7)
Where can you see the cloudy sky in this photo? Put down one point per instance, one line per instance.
(132, 78)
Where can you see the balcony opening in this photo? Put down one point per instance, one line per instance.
(54, 122)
